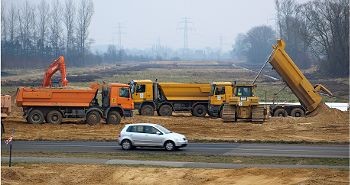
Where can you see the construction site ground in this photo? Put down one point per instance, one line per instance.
(329, 125)
(116, 174)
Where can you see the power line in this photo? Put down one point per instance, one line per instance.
(120, 33)
(186, 26)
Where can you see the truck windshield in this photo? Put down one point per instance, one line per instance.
(162, 129)
(244, 92)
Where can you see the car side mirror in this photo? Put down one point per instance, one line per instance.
(158, 133)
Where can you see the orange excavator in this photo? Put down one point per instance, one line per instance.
(57, 64)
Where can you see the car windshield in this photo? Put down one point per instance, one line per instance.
(162, 129)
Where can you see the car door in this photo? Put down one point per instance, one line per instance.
(138, 136)
(153, 139)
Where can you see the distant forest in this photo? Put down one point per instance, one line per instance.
(35, 33)
(316, 33)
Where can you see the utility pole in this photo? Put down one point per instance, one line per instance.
(119, 32)
(186, 25)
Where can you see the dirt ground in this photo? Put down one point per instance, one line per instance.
(329, 125)
(55, 174)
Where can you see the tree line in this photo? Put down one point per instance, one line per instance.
(316, 33)
(32, 34)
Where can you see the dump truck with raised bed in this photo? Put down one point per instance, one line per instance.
(52, 104)
(307, 94)
(167, 97)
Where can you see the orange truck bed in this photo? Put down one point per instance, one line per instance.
(5, 105)
(63, 96)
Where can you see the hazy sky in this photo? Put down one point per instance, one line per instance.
(144, 22)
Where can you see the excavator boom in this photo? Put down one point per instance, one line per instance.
(307, 94)
(60, 65)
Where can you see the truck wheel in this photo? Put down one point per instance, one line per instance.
(147, 110)
(54, 117)
(36, 117)
(93, 118)
(280, 113)
(199, 110)
(297, 112)
(165, 110)
(113, 117)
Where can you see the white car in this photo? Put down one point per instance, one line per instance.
(148, 134)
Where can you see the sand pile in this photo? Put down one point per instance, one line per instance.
(326, 114)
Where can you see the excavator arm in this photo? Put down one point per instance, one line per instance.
(57, 64)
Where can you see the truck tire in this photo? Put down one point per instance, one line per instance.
(93, 118)
(280, 113)
(54, 117)
(297, 112)
(113, 117)
(36, 117)
(165, 110)
(199, 110)
(147, 110)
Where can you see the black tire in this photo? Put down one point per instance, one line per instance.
(36, 117)
(113, 117)
(93, 118)
(169, 146)
(165, 110)
(297, 112)
(126, 144)
(200, 110)
(147, 110)
(54, 117)
(280, 113)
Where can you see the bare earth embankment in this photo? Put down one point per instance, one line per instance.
(55, 174)
(329, 125)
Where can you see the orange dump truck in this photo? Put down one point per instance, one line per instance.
(5, 106)
(52, 104)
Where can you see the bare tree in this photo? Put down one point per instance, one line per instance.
(329, 24)
(28, 25)
(69, 15)
(85, 12)
(12, 19)
(55, 27)
(3, 22)
(43, 9)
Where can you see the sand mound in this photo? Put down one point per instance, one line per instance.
(324, 113)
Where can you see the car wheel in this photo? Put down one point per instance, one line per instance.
(113, 117)
(36, 117)
(54, 117)
(169, 146)
(126, 144)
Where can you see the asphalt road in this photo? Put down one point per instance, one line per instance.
(233, 149)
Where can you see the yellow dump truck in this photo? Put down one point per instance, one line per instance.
(220, 92)
(167, 97)
(307, 94)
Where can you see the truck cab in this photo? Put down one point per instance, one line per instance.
(141, 91)
(220, 92)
